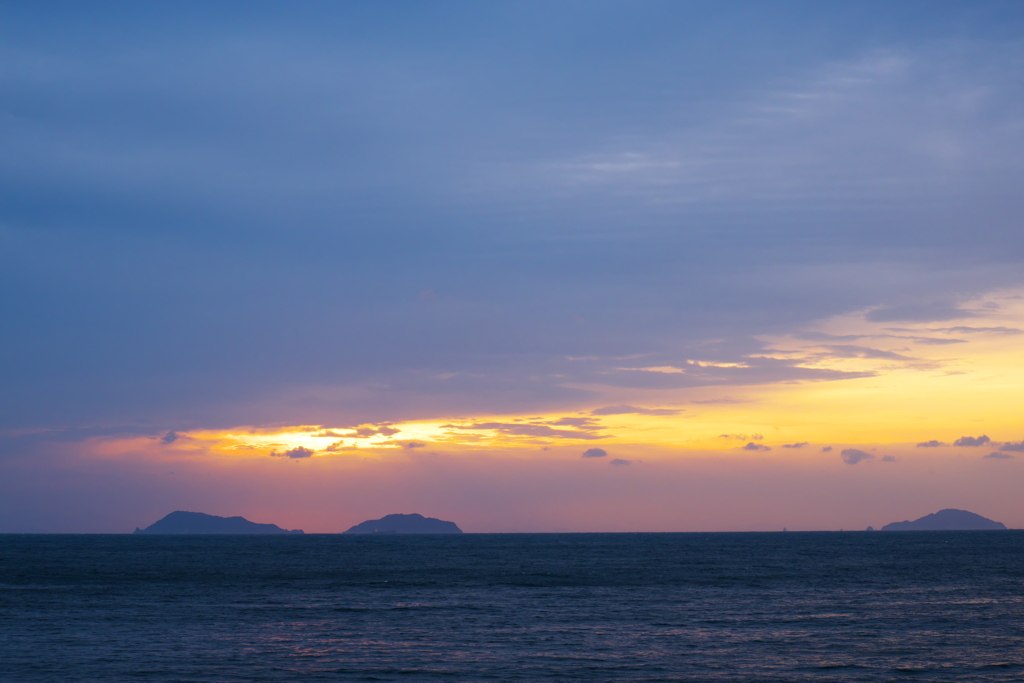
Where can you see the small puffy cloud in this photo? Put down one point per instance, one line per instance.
(1013, 447)
(852, 456)
(755, 447)
(595, 453)
(826, 449)
(888, 458)
(413, 444)
(619, 462)
(297, 452)
(742, 437)
(996, 455)
(169, 437)
(972, 441)
(795, 445)
(934, 443)
(632, 410)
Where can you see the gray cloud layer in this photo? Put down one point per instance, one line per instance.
(362, 215)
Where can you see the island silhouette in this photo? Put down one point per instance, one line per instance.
(181, 522)
(947, 520)
(405, 524)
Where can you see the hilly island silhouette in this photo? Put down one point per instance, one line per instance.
(180, 522)
(947, 520)
(405, 524)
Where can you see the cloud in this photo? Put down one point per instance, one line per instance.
(826, 449)
(169, 437)
(297, 452)
(852, 456)
(744, 369)
(413, 444)
(1017, 447)
(918, 312)
(578, 422)
(934, 443)
(932, 341)
(633, 410)
(755, 447)
(827, 126)
(795, 445)
(742, 437)
(594, 453)
(996, 455)
(852, 351)
(972, 441)
(365, 432)
(888, 458)
(619, 462)
(530, 429)
(980, 330)
(714, 401)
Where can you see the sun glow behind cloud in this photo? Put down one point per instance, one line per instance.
(907, 382)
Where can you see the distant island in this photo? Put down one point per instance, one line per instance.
(947, 520)
(405, 524)
(180, 522)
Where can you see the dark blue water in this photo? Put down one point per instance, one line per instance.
(932, 606)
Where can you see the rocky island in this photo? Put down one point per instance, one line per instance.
(181, 522)
(405, 524)
(947, 520)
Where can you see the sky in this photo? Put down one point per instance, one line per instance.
(529, 267)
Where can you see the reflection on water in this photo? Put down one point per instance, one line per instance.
(816, 607)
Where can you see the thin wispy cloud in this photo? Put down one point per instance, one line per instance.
(633, 410)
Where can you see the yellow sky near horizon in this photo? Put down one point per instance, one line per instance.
(710, 458)
(922, 381)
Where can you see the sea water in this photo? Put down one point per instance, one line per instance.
(853, 606)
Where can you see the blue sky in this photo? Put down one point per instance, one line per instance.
(350, 213)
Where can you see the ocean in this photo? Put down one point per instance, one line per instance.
(825, 606)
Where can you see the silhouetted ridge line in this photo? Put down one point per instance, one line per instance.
(947, 520)
(181, 522)
(405, 524)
